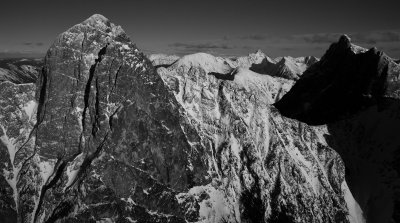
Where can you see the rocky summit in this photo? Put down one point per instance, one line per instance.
(108, 135)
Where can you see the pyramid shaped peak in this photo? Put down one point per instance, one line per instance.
(98, 21)
(259, 51)
(96, 24)
(344, 41)
(97, 18)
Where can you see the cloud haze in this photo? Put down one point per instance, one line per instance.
(33, 44)
(293, 45)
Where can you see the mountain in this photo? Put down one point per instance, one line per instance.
(348, 78)
(105, 137)
(268, 167)
(106, 134)
(354, 93)
(20, 70)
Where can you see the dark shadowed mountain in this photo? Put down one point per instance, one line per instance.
(346, 80)
(354, 92)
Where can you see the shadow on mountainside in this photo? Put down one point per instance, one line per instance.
(369, 145)
(354, 92)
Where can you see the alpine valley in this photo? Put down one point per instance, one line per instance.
(100, 132)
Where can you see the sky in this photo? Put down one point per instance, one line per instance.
(219, 27)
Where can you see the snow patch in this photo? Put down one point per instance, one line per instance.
(73, 169)
(212, 209)
(131, 220)
(46, 169)
(129, 200)
(30, 108)
(235, 146)
(125, 47)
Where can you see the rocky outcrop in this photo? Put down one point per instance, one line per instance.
(20, 71)
(354, 92)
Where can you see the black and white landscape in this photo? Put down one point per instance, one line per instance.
(98, 131)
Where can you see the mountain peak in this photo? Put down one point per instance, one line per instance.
(259, 52)
(97, 18)
(100, 23)
(345, 39)
(333, 77)
(345, 43)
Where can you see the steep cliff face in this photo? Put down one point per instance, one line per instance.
(107, 138)
(354, 92)
(108, 129)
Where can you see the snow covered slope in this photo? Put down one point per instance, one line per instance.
(262, 167)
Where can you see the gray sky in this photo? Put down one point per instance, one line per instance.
(220, 27)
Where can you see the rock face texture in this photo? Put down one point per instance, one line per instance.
(107, 128)
(354, 92)
(17, 119)
(20, 71)
(105, 137)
